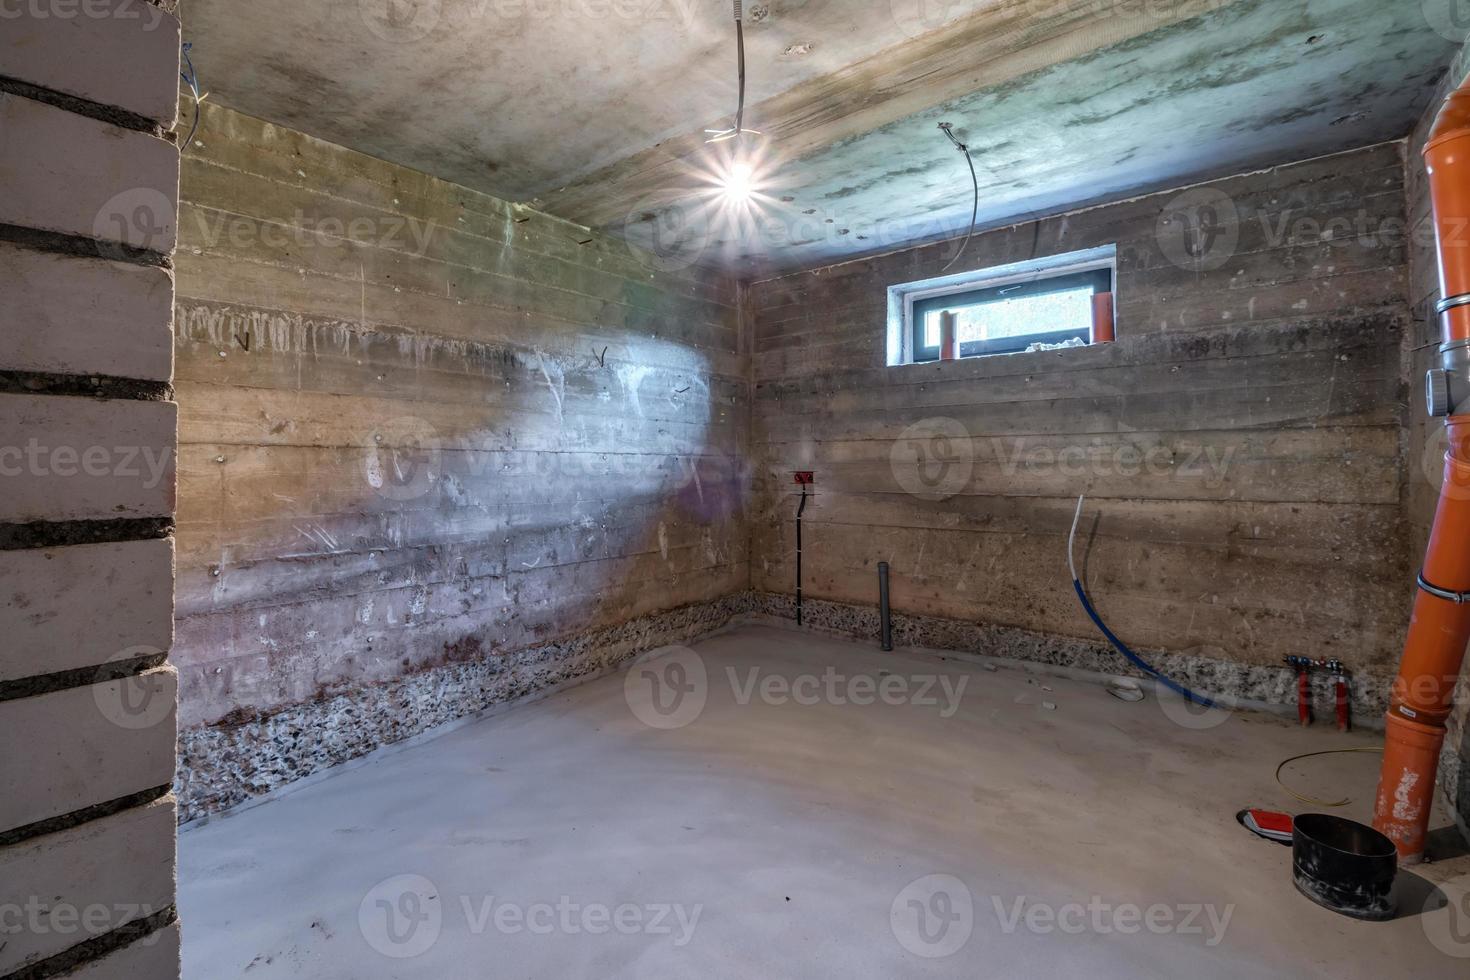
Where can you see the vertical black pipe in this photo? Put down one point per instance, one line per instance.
(798, 553)
(886, 624)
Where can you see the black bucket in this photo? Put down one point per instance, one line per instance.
(1343, 866)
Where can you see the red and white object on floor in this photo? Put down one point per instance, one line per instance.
(1267, 823)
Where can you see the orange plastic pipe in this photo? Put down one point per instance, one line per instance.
(949, 344)
(1102, 318)
(1422, 695)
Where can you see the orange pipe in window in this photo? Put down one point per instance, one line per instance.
(949, 347)
(1102, 318)
(1422, 695)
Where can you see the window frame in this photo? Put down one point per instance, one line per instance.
(1038, 276)
(1101, 281)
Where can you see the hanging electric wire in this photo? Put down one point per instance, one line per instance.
(975, 181)
(720, 135)
(191, 79)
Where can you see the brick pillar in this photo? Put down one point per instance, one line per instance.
(88, 439)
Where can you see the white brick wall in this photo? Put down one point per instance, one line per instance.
(78, 884)
(104, 41)
(70, 315)
(69, 174)
(64, 608)
(77, 458)
(67, 458)
(70, 749)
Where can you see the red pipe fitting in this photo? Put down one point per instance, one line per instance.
(949, 342)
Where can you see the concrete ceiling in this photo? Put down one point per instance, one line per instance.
(594, 110)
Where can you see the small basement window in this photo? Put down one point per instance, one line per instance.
(1041, 305)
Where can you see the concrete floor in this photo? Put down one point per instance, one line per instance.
(774, 838)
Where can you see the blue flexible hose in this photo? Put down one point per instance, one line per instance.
(1118, 644)
(1134, 658)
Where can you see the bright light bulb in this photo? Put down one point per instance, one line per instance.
(739, 183)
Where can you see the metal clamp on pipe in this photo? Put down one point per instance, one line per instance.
(1448, 386)
(1445, 305)
(1459, 598)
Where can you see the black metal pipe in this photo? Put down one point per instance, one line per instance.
(886, 624)
(798, 553)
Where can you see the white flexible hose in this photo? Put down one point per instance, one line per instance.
(1071, 538)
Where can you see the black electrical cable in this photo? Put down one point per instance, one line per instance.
(191, 79)
(740, 55)
(799, 511)
(720, 135)
(975, 206)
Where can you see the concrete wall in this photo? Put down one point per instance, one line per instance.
(1426, 436)
(1241, 444)
(87, 471)
(435, 452)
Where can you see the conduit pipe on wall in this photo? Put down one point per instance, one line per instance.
(1422, 696)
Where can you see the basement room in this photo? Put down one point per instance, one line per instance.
(734, 489)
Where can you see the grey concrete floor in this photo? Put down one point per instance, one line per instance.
(761, 831)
